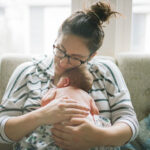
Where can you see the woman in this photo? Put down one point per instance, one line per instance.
(79, 38)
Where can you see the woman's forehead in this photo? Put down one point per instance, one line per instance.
(73, 44)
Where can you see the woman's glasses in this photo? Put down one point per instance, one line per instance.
(75, 62)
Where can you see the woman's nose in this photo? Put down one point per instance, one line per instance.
(64, 62)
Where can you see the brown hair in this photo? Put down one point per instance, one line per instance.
(80, 77)
(88, 24)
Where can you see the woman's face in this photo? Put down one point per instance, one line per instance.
(73, 46)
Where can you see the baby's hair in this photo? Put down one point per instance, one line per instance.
(79, 77)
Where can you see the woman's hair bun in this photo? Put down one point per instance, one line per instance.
(100, 12)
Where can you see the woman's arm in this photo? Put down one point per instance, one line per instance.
(18, 127)
(13, 99)
(116, 135)
(120, 103)
(59, 110)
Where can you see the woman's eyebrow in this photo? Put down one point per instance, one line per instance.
(77, 55)
(72, 54)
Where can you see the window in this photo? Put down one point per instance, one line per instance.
(44, 24)
(140, 26)
(30, 26)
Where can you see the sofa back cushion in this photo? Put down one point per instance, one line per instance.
(136, 71)
(7, 66)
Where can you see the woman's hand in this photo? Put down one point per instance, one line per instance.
(61, 109)
(82, 135)
(79, 134)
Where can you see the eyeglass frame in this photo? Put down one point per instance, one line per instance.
(68, 56)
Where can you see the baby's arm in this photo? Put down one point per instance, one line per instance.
(48, 97)
(94, 109)
(98, 120)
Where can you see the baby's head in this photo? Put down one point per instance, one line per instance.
(79, 77)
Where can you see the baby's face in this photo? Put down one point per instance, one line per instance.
(63, 82)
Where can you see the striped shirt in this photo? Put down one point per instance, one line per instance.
(31, 80)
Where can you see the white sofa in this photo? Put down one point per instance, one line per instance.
(134, 67)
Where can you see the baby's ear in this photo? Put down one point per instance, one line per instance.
(66, 81)
(63, 82)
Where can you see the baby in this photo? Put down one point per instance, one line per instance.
(75, 83)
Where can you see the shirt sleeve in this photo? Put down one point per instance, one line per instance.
(14, 98)
(121, 107)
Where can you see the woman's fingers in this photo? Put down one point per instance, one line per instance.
(59, 142)
(59, 134)
(76, 121)
(63, 108)
(76, 111)
(74, 105)
(63, 127)
(65, 102)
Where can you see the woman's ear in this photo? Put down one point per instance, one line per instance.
(63, 82)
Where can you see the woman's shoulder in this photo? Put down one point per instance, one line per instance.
(23, 67)
(101, 64)
(108, 70)
(44, 64)
(37, 65)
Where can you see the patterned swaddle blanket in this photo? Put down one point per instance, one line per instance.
(41, 138)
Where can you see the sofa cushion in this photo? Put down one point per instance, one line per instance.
(144, 135)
